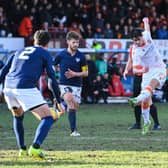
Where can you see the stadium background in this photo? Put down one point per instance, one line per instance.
(107, 21)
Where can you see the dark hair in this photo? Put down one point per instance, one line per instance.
(72, 35)
(137, 32)
(42, 37)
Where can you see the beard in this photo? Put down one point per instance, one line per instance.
(74, 48)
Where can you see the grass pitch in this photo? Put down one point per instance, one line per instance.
(105, 140)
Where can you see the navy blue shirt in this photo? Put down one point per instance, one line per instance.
(75, 63)
(24, 68)
(1, 64)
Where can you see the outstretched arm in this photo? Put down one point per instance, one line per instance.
(146, 24)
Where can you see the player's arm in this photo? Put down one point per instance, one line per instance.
(53, 83)
(83, 73)
(146, 24)
(147, 34)
(51, 74)
(128, 66)
(57, 59)
(5, 68)
(84, 70)
(71, 74)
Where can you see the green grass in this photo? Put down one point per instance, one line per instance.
(105, 141)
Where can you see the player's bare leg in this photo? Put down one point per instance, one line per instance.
(72, 108)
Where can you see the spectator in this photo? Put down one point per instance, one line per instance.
(60, 16)
(4, 30)
(105, 88)
(113, 68)
(88, 31)
(98, 25)
(114, 17)
(26, 28)
(96, 45)
(85, 13)
(162, 32)
(120, 12)
(154, 32)
(117, 31)
(69, 11)
(74, 27)
(61, 33)
(1, 15)
(88, 86)
(97, 91)
(125, 33)
(108, 32)
(101, 65)
(46, 18)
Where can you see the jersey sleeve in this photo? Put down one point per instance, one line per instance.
(51, 74)
(57, 59)
(147, 36)
(5, 68)
(84, 66)
(131, 52)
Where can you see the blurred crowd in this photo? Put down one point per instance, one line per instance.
(91, 18)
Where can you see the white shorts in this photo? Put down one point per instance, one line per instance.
(25, 98)
(76, 91)
(155, 73)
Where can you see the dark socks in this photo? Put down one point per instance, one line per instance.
(137, 112)
(153, 112)
(72, 119)
(42, 131)
(19, 131)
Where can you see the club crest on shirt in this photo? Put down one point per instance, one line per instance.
(77, 59)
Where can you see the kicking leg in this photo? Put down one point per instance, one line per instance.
(145, 108)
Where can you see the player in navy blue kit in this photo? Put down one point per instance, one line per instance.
(73, 68)
(20, 75)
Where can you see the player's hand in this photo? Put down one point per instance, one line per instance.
(125, 74)
(61, 108)
(145, 20)
(70, 74)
